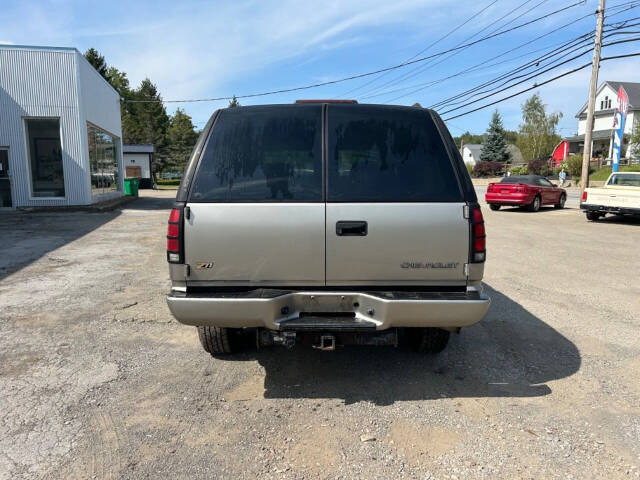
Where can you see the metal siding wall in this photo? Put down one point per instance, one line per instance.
(42, 83)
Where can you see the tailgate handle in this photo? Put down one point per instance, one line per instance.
(350, 229)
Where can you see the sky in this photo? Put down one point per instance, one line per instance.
(205, 49)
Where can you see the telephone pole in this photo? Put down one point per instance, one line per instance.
(595, 66)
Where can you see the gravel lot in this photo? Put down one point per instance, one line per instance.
(98, 381)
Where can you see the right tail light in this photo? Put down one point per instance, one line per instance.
(478, 236)
(584, 196)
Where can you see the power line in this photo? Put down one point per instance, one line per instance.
(477, 90)
(424, 49)
(536, 85)
(421, 68)
(361, 75)
(541, 72)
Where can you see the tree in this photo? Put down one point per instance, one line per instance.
(634, 141)
(234, 102)
(181, 138)
(467, 138)
(494, 148)
(147, 121)
(537, 136)
(97, 60)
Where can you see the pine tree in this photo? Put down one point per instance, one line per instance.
(494, 148)
(234, 102)
(97, 60)
(181, 138)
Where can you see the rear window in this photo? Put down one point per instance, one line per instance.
(520, 179)
(625, 180)
(262, 154)
(379, 154)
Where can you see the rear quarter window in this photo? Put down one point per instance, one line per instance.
(262, 154)
(386, 154)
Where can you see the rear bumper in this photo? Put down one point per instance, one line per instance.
(276, 309)
(509, 199)
(607, 209)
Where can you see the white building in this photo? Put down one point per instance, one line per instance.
(60, 130)
(605, 109)
(137, 160)
(471, 153)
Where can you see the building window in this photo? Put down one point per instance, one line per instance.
(103, 161)
(606, 103)
(45, 157)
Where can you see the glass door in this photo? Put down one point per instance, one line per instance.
(5, 181)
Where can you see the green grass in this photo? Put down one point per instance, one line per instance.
(167, 187)
(603, 173)
(173, 181)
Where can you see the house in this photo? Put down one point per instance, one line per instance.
(471, 153)
(60, 129)
(602, 133)
(137, 161)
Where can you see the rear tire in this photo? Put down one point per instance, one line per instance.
(561, 201)
(220, 340)
(428, 340)
(593, 216)
(535, 205)
(494, 207)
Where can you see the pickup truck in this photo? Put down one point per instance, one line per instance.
(329, 223)
(619, 196)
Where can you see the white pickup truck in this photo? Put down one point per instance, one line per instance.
(619, 196)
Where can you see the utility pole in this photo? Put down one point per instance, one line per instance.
(595, 66)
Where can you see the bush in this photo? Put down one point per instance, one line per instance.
(488, 169)
(469, 166)
(522, 170)
(538, 166)
(172, 181)
(574, 166)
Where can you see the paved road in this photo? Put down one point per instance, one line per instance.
(98, 381)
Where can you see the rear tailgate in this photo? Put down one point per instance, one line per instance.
(625, 197)
(395, 209)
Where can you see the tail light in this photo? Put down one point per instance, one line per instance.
(490, 187)
(584, 196)
(174, 237)
(522, 188)
(478, 236)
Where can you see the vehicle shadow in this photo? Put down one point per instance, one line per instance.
(511, 353)
(149, 201)
(619, 220)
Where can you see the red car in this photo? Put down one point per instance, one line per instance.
(530, 191)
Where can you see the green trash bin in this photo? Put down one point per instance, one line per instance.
(131, 186)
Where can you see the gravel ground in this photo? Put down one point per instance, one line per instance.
(98, 381)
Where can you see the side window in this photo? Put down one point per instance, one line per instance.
(544, 182)
(262, 154)
(382, 154)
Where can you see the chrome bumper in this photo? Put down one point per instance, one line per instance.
(381, 310)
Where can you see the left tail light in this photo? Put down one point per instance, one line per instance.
(478, 236)
(174, 237)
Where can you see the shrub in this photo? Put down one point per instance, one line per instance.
(172, 181)
(521, 170)
(538, 166)
(574, 165)
(488, 169)
(469, 166)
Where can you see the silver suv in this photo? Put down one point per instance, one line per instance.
(329, 223)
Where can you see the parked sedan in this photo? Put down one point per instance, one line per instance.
(530, 191)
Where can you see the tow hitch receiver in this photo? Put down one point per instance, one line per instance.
(327, 342)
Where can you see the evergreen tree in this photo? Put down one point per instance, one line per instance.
(181, 138)
(494, 148)
(234, 102)
(97, 60)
